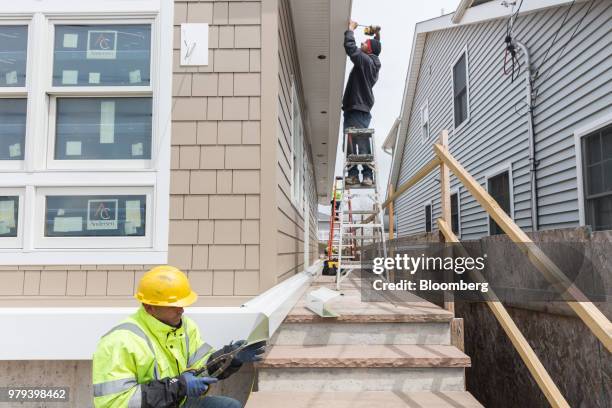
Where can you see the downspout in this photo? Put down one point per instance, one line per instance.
(531, 137)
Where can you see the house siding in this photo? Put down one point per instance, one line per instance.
(574, 91)
(290, 218)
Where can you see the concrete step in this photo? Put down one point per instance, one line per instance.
(363, 368)
(345, 332)
(448, 399)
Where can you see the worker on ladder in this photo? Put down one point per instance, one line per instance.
(150, 359)
(358, 96)
(336, 199)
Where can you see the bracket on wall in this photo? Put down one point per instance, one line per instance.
(194, 44)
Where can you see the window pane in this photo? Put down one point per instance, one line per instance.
(13, 55)
(9, 206)
(428, 218)
(103, 129)
(607, 142)
(459, 75)
(102, 55)
(12, 128)
(454, 206)
(95, 216)
(595, 181)
(499, 188)
(593, 148)
(600, 213)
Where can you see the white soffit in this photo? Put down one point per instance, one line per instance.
(319, 27)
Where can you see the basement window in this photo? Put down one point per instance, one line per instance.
(460, 90)
(499, 188)
(597, 162)
(428, 220)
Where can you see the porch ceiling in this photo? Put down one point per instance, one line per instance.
(319, 27)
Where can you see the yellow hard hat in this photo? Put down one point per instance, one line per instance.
(165, 285)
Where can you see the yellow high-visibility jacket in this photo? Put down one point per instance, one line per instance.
(139, 350)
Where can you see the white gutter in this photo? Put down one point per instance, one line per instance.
(69, 333)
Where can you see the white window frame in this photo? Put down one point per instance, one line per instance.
(297, 180)
(19, 92)
(37, 175)
(55, 92)
(467, 83)
(458, 192)
(431, 216)
(506, 167)
(43, 242)
(14, 242)
(578, 135)
(425, 108)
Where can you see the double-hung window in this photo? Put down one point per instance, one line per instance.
(500, 188)
(85, 101)
(461, 90)
(454, 207)
(428, 217)
(597, 170)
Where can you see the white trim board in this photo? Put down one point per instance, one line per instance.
(578, 135)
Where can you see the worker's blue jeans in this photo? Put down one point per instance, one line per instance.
(359, 144)
(214, 401)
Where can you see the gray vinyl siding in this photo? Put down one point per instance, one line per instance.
(291, 223)
(574, 91)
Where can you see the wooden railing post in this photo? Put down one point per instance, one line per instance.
(449, 298)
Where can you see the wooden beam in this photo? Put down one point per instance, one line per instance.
(425, 170)
(449, 301)
(586, 310)
(391, 215)
(531, 360)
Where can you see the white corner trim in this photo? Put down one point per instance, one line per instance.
(579, 133)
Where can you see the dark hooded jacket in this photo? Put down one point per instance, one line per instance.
(358, 94)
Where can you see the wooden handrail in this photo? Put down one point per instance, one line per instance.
(590, 315)
(595, 320)
(529, 357)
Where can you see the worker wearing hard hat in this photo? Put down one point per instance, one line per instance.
(149, 359)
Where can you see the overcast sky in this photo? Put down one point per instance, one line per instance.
(397, 19)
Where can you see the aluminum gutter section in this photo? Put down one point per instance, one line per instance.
(68, 333)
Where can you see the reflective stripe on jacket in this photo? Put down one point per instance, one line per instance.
(141, 349)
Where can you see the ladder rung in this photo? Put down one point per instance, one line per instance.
(361, 236)
(365, 212)
(361, 225)
(359, 130)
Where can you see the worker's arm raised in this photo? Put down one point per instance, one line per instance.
(350, 46)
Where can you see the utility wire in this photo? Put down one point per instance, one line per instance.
(561, 52)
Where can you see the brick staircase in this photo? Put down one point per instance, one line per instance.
(374, 354)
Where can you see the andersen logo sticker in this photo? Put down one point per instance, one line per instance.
(102, 214)
(101, 44)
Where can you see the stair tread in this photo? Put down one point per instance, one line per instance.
(365, 399)
(351, 308)
(364, 356)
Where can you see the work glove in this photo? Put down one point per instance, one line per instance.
(251, 353)
(197, 386)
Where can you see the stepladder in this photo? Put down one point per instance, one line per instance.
(360, 199)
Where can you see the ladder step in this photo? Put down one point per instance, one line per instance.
(365, 212)
(361, 225)
(362, 237)
(354, 130)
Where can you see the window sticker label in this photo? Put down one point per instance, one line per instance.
(68, 224)
(71, 40)
(102, 214)
(137, 149)
(135, 77)
(94, 77)
(15, 150)
(70, 77)
(101, 44)
(73, 148)
(11, 78)
(7, 214)
(132, 213)
(107, 122)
